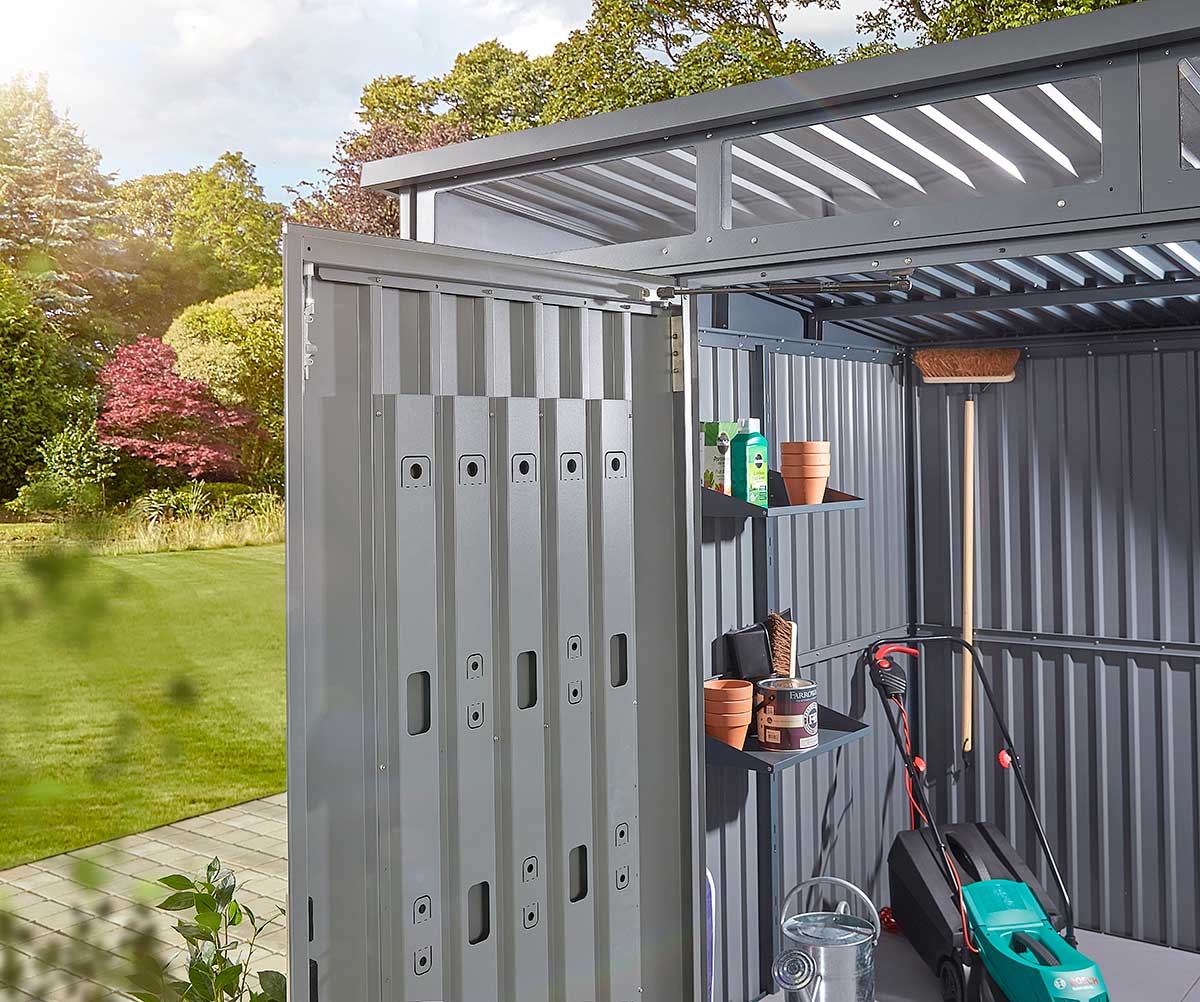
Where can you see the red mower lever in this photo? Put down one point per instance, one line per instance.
(887, 649)
(1004, 758)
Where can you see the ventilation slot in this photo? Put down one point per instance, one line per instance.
(479, 913)
(618, 660)
(527, 680)
(577, 867)
(420, 717)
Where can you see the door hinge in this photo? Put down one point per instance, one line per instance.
(678, 366)
(308, 349)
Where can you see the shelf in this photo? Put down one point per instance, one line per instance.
(714, 504)
(833, 731)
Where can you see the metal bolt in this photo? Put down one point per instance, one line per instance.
(708, 240)
(383, 767)
(379, 413)
(895, 222)
(665, 251)
(874, 264)
(908, 260)
(754, 240)
(1062, 203)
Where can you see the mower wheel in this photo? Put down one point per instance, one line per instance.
(981, 988)
(950, 973)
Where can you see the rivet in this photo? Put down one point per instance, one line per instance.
(379, 413)
(895, 222)
(754, 240)
(908, 260)
(874, 264)
(665, 251)
(1062, 203)
(762, 274)
(708, 240)
(383, 767)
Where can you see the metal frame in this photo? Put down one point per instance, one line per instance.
(1133, 49)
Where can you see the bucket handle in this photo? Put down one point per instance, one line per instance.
(845, 885)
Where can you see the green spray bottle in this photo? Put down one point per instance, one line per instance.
(748, 456)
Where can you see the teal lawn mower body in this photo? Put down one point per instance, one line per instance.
(970, 906)
(1023, 954)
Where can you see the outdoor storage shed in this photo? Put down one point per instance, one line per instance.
(506, 584)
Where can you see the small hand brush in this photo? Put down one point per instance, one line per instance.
(782, 636)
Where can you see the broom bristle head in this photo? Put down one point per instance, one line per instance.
(967, 365)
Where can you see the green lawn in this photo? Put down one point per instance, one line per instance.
(136, 690)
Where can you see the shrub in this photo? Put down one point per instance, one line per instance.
(76, 466)
(149, 410)
(221, 934)
(235, 345)
(33, 401)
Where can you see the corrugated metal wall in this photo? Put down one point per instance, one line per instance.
(844, 575)
(1088, 600)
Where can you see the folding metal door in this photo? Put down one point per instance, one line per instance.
(464, 738)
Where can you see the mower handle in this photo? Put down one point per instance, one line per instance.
(887, 649)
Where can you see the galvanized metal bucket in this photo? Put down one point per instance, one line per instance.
(827, 956)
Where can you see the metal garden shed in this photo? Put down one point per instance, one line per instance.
(506, 586)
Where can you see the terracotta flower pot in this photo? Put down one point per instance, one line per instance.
(804, 448)
(730, 719)
(735, 736)
(805, 470)
(806, 490)
(726, 713)
(728, 690)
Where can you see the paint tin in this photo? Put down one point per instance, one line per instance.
(787, 713)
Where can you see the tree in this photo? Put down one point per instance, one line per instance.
(217, 219)
(227, 213)
(945, 20)
(75, 467)
(52, 193)
(629, 54)
(338, 201)
(235, 345)
(33, 400)
(149, 410)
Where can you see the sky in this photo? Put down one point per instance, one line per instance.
(161, 85)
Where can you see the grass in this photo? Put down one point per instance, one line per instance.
(128, 534)
(136, 690)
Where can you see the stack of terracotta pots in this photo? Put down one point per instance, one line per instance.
(805, 470)
(728, 709)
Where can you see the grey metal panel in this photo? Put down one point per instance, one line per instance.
(335, 697)
(845, 577)
(844, 573)
(570, 665)
(521, 707)
(403, 560)
(614, 695)
(407, 611)
(1089, 567)
(1122, 29)
(726, 554)
(472, 694)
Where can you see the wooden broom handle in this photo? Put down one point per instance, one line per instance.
(968, 571)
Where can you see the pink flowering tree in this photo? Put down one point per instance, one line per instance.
(149, 410)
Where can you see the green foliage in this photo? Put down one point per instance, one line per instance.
(227, 213)
(33, 400)
(52, 194)
(76, 465)
(235, 345)
(217, 222)
(221, 933)
(945, 20)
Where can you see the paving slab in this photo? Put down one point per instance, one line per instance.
(73, 943)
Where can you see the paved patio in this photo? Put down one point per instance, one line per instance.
(76, 920)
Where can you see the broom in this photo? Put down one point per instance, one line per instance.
(971, 367)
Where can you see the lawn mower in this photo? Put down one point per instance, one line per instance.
(964, 898)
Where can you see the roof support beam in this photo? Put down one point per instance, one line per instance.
(1016, 301)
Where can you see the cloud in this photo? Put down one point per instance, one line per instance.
(167, 84)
